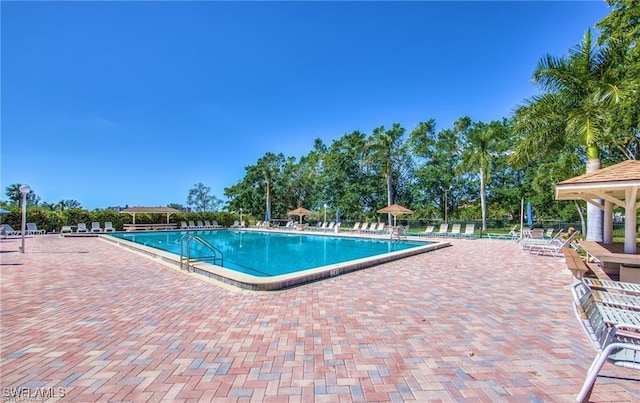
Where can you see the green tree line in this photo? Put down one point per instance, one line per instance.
(585, 116)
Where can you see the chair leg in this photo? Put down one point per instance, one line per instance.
(590, 379)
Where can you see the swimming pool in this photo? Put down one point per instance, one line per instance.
(276, 260)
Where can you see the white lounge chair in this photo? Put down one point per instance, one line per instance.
(66, 229)
(512, 235)
(192, 225)
(108, 227)
(455, 230)
(613, 332)
(8, 230)
(428, 231)
(82, 227)
(553, 247)
(364, 227)
(355, 227)
(442, 231)
(95, 227)
(469, 231)
(200, 224)
(32, 229)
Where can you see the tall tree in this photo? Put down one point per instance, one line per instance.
(383, 150)
(15, 197)
(620, 38)
(200, 197)
(67, 204)
(578, 91)
(479, 149)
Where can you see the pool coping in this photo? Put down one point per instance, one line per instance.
(282, 281)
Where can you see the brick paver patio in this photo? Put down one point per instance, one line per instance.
(478, 321)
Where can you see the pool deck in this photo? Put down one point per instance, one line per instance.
(478, 321)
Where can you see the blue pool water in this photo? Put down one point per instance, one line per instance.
(265, 254)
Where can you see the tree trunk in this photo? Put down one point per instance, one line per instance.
(595, 215)
(268, 201)
(581, 214)
(389, 196)
(483, 200)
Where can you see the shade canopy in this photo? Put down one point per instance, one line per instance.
(3, 211)
(615, 185)
(300, 211)
(395, 210)
(150, 210)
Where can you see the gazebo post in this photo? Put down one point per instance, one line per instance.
(608, 222)
(630, 221)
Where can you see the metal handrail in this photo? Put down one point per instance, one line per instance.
(185, 241)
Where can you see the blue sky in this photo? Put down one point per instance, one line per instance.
(115, 103)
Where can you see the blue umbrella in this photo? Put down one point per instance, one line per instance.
(529, 215)
(3, 211)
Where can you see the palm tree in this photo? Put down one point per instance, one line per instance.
(269, 167)
(13, 193)
(382, 150)
(477, 156)
(578, 92)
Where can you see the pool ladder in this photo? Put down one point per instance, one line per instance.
(185, 258)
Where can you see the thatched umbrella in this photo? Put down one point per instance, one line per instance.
(300, 211)
(395, 210)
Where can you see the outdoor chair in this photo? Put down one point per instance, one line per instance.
(613, 332)
(364, 227)
(95, 227)
(214, 224)
(455, 231)
(355, 227)
(66, 229)
(428, 231)
(469, 231)
(610, 285)
(372, 228)
(191, 225)
(380, 229)
(553, 247)
(201, 224)
(32, 229)
(82, 227)
(8, 230)
(513, 234)
(442, 231)
(108, 227)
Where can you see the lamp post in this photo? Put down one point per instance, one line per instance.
(446, 191)
(24, 189)
(325, 216)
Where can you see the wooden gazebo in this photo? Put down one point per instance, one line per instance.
(615, 185)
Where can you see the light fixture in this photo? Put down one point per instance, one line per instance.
(325, 216)
(24, 189)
